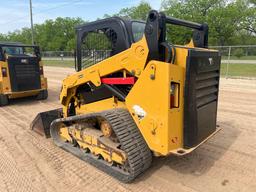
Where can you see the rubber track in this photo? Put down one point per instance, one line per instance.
(139, 156)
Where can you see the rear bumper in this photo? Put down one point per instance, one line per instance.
(183, 151)
(13, 95)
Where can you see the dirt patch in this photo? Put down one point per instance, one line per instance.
(29, 162)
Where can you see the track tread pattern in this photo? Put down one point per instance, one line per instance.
(132, 142)
(128, 134)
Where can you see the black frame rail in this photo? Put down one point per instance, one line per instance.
(184, 23)
(155, 32)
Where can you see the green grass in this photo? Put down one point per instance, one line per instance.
(239, 70)
(59, 63)
(241, 58)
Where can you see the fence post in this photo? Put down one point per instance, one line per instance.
(229, 53)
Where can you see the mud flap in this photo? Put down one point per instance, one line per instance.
(41, 123)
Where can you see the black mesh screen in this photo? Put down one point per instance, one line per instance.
(24, 73)
(97, 46)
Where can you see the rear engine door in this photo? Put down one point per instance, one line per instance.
(24, 73)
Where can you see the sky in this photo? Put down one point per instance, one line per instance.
(14, 14)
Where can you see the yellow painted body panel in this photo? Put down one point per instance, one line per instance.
(152, 96)
(181, 57)
(175, 115)
(100, 106)
(94, 144)
(161, 125)
(5, 85)
(44, 84)
(15, 95)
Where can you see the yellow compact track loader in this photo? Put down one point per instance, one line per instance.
(21, 72)
(135, 95)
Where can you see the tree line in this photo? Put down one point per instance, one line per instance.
(231, 22)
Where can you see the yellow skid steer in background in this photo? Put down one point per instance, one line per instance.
(21, 72)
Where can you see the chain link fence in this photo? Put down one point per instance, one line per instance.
(237, 61)
(57, 55)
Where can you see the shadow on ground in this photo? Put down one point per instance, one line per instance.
(200, 161)
(53, 96)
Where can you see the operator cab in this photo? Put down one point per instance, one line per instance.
(18, 49)
(101, 39)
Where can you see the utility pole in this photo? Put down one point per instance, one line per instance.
(31, 21)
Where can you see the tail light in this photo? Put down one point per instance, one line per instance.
(41, 70)
(174, 95)
(4, 72)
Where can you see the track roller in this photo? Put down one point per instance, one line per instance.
(138, 156)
